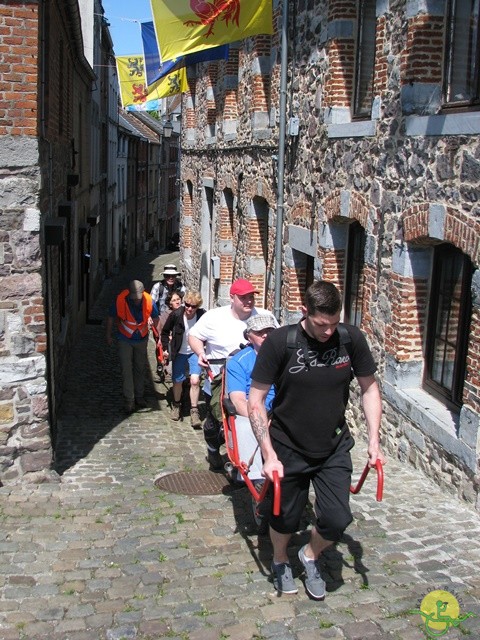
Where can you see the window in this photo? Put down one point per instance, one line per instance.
(172, 188)
(461, 82)
(365, 62)
(354, 278)
(449, 317)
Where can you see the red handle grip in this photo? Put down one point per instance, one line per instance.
(276, 494)
(379, 468)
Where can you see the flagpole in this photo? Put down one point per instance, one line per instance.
(277, 309)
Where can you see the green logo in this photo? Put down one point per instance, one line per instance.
(440, 611)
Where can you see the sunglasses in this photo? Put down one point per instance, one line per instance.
(191, 306)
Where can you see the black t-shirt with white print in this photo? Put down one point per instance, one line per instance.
(310, 402)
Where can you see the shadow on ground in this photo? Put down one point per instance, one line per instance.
(92, 402)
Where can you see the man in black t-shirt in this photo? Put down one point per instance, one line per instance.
(307, 439)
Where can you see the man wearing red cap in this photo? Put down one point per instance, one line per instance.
(213, 338)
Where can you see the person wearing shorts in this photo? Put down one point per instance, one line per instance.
(307, 440)
(175, 346)
(214, 338)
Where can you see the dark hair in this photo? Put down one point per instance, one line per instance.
(323, 297)
(168, 297)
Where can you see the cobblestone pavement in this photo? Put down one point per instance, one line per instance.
(106, 555)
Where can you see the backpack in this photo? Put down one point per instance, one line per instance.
(293, 344)
(217, 387)
(217, 390)
(217, 384)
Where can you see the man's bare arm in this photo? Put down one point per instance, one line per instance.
(198, 347)
(257, 414)
(372, 408)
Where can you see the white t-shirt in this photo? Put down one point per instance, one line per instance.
(188, 324)
(222, 334)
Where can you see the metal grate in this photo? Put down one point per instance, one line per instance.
(195, 483)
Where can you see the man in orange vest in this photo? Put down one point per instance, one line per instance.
(131, 313)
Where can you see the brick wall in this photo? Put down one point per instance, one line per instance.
(18, 68)
(421, 59)
(396, 185)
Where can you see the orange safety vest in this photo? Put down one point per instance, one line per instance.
(127, 325)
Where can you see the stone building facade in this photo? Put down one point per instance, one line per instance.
(61, 231)
(44, 154)
(381, 197)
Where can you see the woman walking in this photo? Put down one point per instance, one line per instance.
(184, 361)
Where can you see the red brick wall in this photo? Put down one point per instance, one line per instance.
(257, 246)
(380, 76)
(186, 231)
(190, 117)
(212, 77)
(261, 83)
(334, 266)
(230, 109)
(18, 68)
(423, 55)
(471, 390)
(463, 233)
(403, 334)
(225, 234)
(294, 286)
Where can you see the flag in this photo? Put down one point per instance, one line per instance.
(135, 94)
(188, 26)
(153, 66)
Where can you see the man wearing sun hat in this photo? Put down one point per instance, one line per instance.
(131, 312)
(171, 283)
(213, 338)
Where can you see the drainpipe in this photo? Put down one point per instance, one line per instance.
(277, 309)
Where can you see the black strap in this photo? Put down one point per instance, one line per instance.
(217, 361)
(293, 343)
(345, 338)
(292, 336)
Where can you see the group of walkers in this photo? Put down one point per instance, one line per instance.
(290, 388)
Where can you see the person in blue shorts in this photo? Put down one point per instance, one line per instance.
(175, 346)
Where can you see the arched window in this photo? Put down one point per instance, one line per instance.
(462, 53)
(354, 278)
(448, 324)
(365, 59)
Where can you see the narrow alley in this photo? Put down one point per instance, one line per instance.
(104, 554)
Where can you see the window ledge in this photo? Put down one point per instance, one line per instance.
(452, 124)
(432, 419)
(360, 129)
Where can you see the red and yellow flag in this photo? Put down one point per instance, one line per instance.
(134, 92)
(187, 26)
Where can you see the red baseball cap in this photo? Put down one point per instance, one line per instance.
(241, 287)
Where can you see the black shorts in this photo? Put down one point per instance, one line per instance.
(331, 478)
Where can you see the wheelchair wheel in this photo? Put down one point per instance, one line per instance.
(161, 373)
(261, 512)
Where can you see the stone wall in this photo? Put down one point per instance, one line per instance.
(44, 204)
(408, 174)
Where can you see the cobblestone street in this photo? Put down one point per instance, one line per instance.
(104, 554)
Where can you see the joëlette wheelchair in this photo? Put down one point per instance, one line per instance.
(265, 501)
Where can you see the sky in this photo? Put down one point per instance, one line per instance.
(124, 32)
